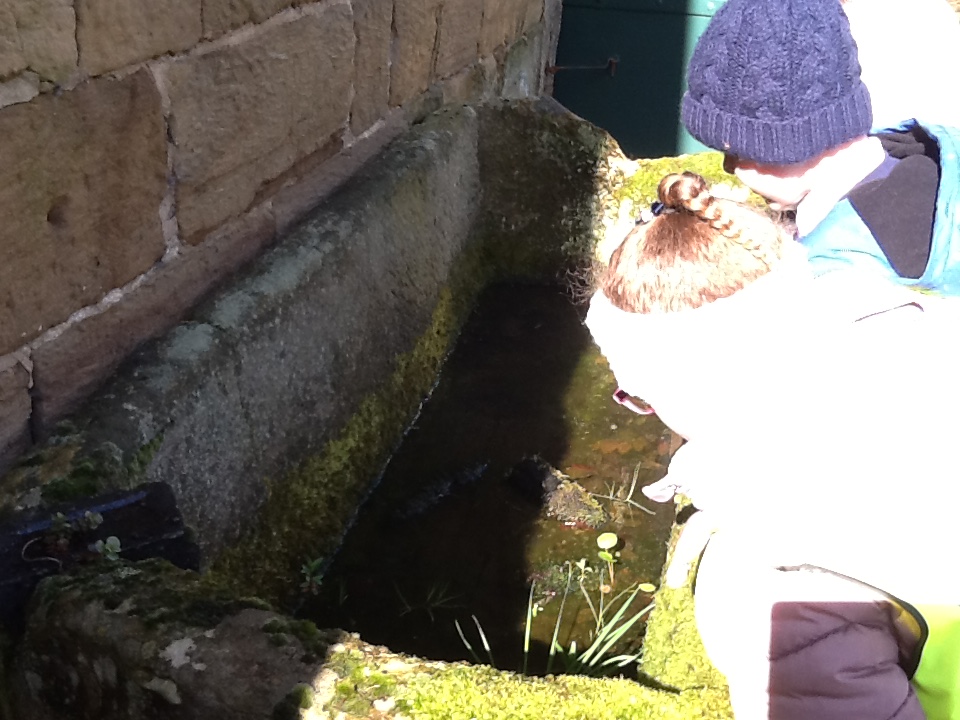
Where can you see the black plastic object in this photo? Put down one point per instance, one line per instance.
(37, 544)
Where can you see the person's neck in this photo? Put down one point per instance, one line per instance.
(835, 176)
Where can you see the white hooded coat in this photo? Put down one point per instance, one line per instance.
(822, 424)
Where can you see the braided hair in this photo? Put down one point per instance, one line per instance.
(698, 249)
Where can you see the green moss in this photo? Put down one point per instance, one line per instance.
(641, 186)
(81, 483)
(300, 698)
(141, 460)
(66, 471)
(461, 692)
(279, 639)
(282, 631)
(160, 593)
(673, 653)
(356, 693)
(306, 513)
(542, 173)
(344, 663)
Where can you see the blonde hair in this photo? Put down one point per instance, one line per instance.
(699, 249)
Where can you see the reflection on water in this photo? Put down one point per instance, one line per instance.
(446, 537)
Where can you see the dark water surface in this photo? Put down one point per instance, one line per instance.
(445, 537)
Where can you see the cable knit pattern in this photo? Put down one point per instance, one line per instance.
(776, 81)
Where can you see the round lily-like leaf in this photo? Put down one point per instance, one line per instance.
(607, 540)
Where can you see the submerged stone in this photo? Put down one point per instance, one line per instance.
(572, 505)
(568, 501)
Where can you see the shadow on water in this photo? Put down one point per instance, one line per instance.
(446, 538)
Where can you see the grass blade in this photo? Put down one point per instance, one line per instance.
(483, 639)
(526, 630)
(554, 645)
(473, 653)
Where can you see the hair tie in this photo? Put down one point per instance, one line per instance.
(656, 209)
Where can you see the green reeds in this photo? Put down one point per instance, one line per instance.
(596, 659)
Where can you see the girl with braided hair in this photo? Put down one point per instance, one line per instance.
(820, 451)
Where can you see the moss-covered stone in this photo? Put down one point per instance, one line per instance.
(544, 173)
(366, 677)
(306, 513)
(300, 698)
(68, 469)
(155, 591)
(673, 653)
(571, 503)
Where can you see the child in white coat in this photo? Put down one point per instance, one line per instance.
(821, 445)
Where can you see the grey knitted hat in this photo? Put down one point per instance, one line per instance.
(776, 81)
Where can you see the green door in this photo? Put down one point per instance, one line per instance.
(636, 97)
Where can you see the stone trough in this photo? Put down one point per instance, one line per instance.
(270, 414)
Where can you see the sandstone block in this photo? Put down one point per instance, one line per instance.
(534, 13)
(417, 24)
(11, 52)
(47, 34)
(221, 16)
(14, 410)
(243, 114)
(460, 22)
(506, 20)
(115, 33)
(477, 83)
(291, 203)
(371, 22)
(69, 368)
(80, 192)
(23, 88)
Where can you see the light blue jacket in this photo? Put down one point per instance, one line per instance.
(842, 240)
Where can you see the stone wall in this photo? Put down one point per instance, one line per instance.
(153, 147)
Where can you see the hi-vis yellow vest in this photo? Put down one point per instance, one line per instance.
(934, 668)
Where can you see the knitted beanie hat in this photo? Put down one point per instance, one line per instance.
(776, 81)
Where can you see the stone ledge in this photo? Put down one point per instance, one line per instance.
(146, 640)
(264, 372)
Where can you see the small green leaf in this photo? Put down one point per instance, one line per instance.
(607, 541)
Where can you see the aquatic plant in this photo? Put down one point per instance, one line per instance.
(61, 533)
(594, 660)
(606, 542)
(483, 639)
(622, 495)
(109, 549)
(438, 597)
(549, 581)
(312, 573)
